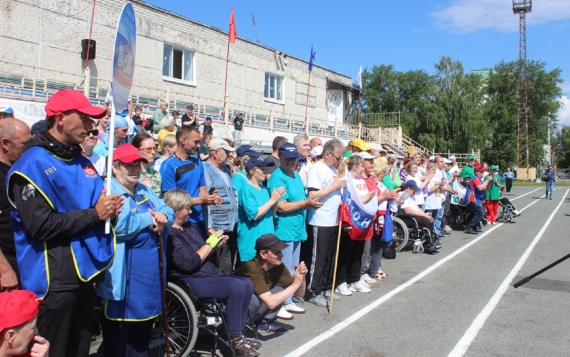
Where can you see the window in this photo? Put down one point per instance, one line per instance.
(273, 87)
(178, 64)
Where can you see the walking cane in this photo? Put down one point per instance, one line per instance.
(163, 289)
(335, 266)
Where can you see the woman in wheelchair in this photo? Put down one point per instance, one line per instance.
(189, 259)
(411, 208)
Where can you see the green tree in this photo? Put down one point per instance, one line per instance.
(501, 110)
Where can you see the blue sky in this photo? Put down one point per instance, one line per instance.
(409, 35)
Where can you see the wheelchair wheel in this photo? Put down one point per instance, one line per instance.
(400, 233)
(182, 325)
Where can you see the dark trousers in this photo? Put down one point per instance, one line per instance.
(424, 222)
(65, 320)
(226, 256)
(14, 264)
(306, 253)
(322, 260)
(509, 184)
(349, 259)
(259, 312)
(126, 339)
(478, 214)
(234, 291)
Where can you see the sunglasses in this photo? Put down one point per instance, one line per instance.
(148, 150)
(93, 132)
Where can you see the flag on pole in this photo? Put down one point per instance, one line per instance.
(356, 214)
(313, 53)
(233, 33)
(359, 78)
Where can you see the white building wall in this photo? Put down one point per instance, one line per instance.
(47, 34)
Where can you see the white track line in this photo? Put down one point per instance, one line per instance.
(528, 193)
(463, 345)
(362, 312)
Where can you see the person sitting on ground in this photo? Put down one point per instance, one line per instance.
(189, 257)
(169, 146)
(18, 333)
(272, 282)
(410, 207)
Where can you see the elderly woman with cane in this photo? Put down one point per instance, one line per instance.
(131, 289)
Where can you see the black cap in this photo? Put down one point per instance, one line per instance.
(269, 241)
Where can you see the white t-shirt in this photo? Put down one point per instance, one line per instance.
(433, 200)
(409, 202)
(320, 176)
(419, 196)
(99, 162)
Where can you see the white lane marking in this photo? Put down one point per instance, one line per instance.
(463, 345)
(528, 193)
(357, 315)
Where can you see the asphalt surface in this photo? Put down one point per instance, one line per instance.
(457, 302)
(429, 314)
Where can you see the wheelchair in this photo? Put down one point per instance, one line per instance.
(188, 317)
(412, 235)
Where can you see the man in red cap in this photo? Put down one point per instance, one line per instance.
(18, 314)
(59, 210)
(474, 196)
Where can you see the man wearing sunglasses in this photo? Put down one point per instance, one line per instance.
(88, 144)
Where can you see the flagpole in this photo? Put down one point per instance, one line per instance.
(111, 144)
(307, 104)
(226, 87)
(335, 267)
(359, 107)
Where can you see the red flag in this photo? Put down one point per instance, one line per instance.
(233, 33)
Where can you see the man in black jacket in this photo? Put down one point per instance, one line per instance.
(61, 208)
(14, 135)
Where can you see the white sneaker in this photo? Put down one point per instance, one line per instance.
(343, 290)
(294, 308)
(284, 314)
(358, 287)
(367, 279)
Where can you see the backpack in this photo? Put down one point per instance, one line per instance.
(148, 124)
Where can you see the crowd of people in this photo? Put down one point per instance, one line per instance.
(258, 234)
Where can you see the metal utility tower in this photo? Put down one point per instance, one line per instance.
(522, 7)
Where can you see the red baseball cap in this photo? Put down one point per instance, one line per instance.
(17, 307)
(406, 160)
(127, 153)
(479, 168)
(69, 99)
